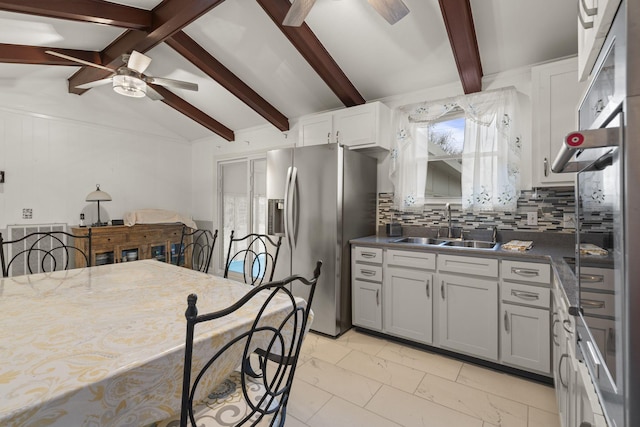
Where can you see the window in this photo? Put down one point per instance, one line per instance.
(444, 141)
(242, 203)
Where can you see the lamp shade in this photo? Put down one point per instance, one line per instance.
(98, 195)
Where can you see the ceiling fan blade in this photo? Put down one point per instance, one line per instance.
(179, 84)
(298, 12)
(153, 94)
(79, 61)
(391, 10)
(138, 62)
(94, 84)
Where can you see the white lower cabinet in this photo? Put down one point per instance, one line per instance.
(408, 311)
(525, 337)
(468, 320)
(367, 306)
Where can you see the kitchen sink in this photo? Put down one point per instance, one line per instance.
(475, 244)
(419, 240)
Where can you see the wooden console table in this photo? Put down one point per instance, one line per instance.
(120, 243)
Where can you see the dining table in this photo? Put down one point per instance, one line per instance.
(104, 345)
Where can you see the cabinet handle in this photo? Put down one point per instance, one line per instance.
(368, 255)
(566, 322)
(377, 296)
(591, 303)
(368, 273)
(586, 424)
(506, 321)
(594, 357)
(591, 278)
(589, 11)
(546, 167)
(526, 272)
(337, 136)
(553, 333)
(442, 290)
(528, 296)
(611, 341)
(585, 25)
(329, 135)
(428, 289)
(562, 381)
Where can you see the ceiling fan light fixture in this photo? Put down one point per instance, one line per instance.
(129, 86)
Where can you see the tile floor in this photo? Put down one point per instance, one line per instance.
(362, 380)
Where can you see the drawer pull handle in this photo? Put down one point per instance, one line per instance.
(428, 289)
(528, 296)
(368, 273)
(591, 303)
(506, 321)
(377, 296)
(368, 255)
(591, 278)
(526, 272)
(442, 290)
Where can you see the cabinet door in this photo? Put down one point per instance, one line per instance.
(316, 130)
(525, 337)
(468, 320)
(356, 125)
(556, 92)
(367, 305)
(408, 311)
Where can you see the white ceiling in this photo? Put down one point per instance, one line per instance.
(380, 60)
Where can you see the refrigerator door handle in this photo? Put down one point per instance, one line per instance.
(289, 194)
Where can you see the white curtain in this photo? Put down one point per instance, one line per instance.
(491, 154)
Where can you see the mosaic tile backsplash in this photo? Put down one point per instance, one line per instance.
(555, 208)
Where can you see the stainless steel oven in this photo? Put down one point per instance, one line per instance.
(605, 152)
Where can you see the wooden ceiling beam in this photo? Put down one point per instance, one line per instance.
(314, 52)
(458, 21)
(169, 17)
(22, 54)
(95, 11)
(179, 104)
(198, 56)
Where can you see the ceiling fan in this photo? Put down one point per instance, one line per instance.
(391, 10)
(129, 79)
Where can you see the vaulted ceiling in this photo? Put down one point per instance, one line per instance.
(251, 70)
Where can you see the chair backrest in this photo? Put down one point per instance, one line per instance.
(256, 260)
(196, 248)
(44, 251)
(278, 344)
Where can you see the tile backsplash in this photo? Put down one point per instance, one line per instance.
(555, 208)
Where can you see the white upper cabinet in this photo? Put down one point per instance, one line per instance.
(362, 126)
(594, 21)
(556, 93)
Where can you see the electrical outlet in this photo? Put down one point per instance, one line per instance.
(532, 218)
(568, 220)
(27, 213)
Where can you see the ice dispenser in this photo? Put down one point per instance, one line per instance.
(275, 224)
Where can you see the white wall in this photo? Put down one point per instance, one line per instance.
(52, 164)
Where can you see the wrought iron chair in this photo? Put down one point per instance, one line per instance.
(199, 244)
(43, 251)
(257, 261)
(258, 391)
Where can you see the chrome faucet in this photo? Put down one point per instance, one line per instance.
(449, 230)
(494, 236)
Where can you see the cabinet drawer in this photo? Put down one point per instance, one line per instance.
(368, 254)
(526, 272)
(114, 239)
(468, 265)
(368, 272)
(525, 294)
(596, 278)
(597, 303)
(423, 260)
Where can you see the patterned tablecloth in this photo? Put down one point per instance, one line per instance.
(104, 346)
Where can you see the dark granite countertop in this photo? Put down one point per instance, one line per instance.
(547, 247)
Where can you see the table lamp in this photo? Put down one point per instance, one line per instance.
(98, 196)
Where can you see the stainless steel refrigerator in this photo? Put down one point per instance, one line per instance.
(319, 198)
